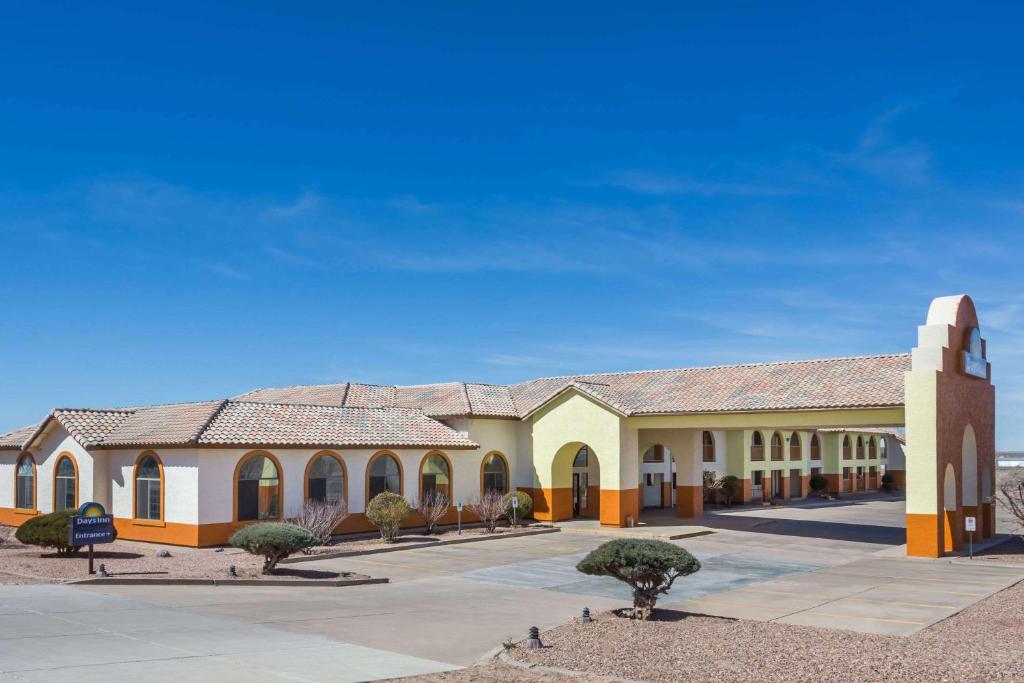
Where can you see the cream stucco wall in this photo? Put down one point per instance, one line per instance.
(573, 418)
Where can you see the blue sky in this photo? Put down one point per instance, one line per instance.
(200, 200)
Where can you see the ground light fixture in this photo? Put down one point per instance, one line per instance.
(586, 616)
(533, 641)
(102, 571)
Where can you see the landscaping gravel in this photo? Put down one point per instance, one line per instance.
(980, 644)
(411, 538)
(22, 564)
(1007, 551)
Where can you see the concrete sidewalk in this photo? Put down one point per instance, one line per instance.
(878, 595)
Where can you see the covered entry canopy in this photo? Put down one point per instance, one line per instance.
(941, 392)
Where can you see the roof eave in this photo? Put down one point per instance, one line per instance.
(578, 390)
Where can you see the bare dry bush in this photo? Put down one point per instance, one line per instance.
(490, 507)
(432, 507)
(321, 518)
(1011, 490)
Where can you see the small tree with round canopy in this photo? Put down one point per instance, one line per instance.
(648, 566)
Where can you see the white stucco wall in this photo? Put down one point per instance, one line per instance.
(180, 486)
(48, 449)
(7, 462)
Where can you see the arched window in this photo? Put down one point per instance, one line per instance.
(582, 457)
(794, 447)
(65, 485)
(708, 442)
(25, 484)
(385, 475)
(881, 448)
(495, 474)
(655, 454)
(872, 454)
(148, 479)
(815, 447)
(777, 446)
(435, 475)
(326, 482)
(259, 489)
(847, 453)
(860, 448)
(757, 446)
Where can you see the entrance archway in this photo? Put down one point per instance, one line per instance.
(657, 478)
(949, 516)
(969, 476)
(577, 470)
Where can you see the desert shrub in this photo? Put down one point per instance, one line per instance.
(888, 482)
(432, 506)
(712, 485)
(49, 531)
(387, 511)
(320, 518)
(490, 507)
(649, 567)
(818, 484)
(730, 489)
(273, 540)
(525, 505)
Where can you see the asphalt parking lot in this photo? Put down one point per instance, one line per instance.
(836, 566)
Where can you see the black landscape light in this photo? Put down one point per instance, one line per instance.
(586, 615)
(533, 641)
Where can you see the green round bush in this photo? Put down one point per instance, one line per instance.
(387, 511)
(888, 482)
(648, 566)
(525, 505)
(49, 531)
(273, 540)
(818, 483)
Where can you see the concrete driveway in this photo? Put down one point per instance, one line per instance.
(448, 606)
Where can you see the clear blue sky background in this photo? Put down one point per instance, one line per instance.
(206, 198)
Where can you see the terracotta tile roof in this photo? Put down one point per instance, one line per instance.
(855, 382)
(164, 425)
(241, 423)
(434, 399)
(858, 382)
(370, 396)
(16, 440)
(379, 415)
(90, 427)
(310, 394)
(490, 400)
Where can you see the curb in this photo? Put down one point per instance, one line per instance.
(429, 544)
(636, 532)
(506, 659)
(300, 583)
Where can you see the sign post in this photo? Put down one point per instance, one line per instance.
(458, 510)
(971, 525)
(515, 506)
(91, 525)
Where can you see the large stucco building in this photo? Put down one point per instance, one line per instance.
(603, 445)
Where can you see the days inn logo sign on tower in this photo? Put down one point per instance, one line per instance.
(974, 362)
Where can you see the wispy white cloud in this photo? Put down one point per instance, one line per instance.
(643, 182)
(908, 163)
(305, 204)
(225, 270)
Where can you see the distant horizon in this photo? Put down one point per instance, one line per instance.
(274, 196)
